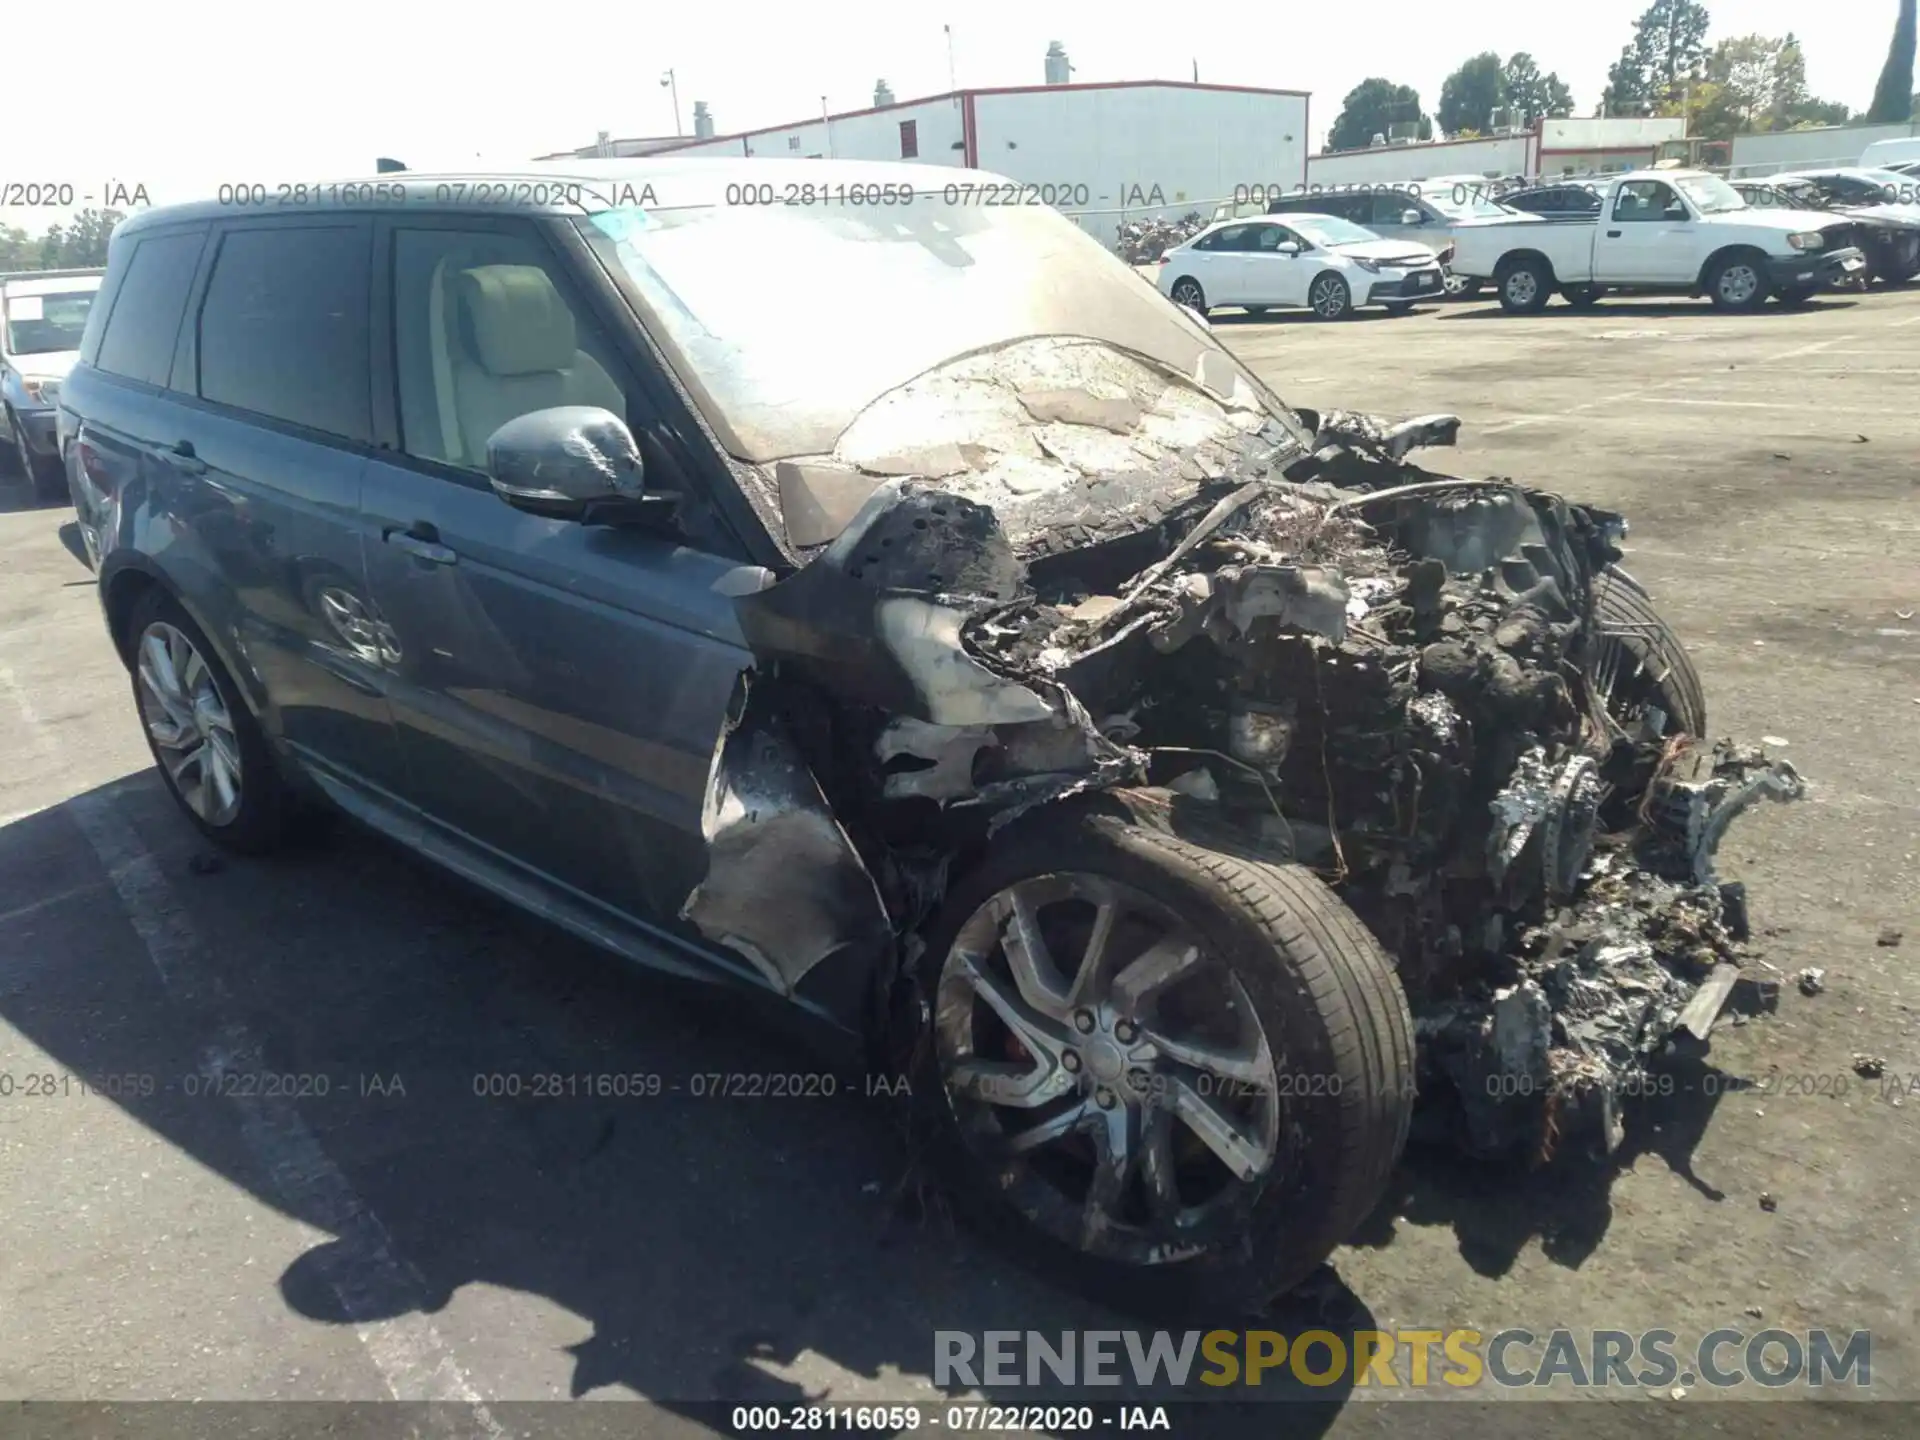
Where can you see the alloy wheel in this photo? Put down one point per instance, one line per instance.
(1187, 293)
(189, 723)
(1328, 299)
(1112, 1074)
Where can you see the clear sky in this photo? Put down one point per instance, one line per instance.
(184, 96)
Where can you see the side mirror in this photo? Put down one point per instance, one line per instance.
(1675, 212)
(1411, 217)
(573, 462)
(1287, 247)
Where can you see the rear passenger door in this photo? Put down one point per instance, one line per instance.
(260, 470)
(559, 689)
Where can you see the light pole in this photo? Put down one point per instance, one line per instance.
(668, 82)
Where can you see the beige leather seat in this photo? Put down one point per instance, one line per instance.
(517, 351)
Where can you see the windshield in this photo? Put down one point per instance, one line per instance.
(46, 324)
(1464, 201)
(793, 319)
(1709, 193)
(1890, 186)
(1330, 230)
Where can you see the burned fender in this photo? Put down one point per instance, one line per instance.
(785, 887)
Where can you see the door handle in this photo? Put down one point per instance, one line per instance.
(182, 457)
(420, 540)
(1613, 234)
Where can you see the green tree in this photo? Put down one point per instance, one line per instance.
(1669, 47)
(1893, 97)
(1372, 108)
(1757, 80)
(1529, 94)
(1470, 95)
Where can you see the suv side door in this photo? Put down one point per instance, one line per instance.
(559, 689)
(260, 478)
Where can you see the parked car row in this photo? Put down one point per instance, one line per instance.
(42, 316)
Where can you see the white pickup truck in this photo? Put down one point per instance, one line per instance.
(1685, 231)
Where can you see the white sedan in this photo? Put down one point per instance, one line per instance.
(1328, 265)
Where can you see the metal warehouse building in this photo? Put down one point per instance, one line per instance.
(1100, 152)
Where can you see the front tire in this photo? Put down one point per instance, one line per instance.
(1460, 287)
(205, 741)
(1171, 1076)
(1738, 283)
(1329, 298)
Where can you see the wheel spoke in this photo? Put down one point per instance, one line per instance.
(1028, 957)
(1157, 1167)
(1032, 1028)
(1112, 1173)
(157, 673)
(1007, 1082)
(1088, 981)
(220, 773)
(1241, 1154)
(1254, 1071)
(1162, 963)
(1056, 1127)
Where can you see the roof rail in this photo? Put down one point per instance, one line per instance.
(51, 274)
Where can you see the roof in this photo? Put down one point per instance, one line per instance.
(964, 96)
(574, 188)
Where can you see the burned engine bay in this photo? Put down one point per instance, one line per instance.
(1391, 676)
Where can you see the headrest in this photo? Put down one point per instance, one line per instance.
(515, 320)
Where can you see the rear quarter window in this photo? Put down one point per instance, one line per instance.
(142, 317)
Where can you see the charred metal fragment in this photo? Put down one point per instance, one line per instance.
(784, 885)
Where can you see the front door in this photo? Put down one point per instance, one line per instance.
(558, 689)
(1644, 236)
(1276, 276)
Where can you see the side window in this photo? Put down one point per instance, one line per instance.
(1234, 237)
(284, 328)
(1386, 208)
(484, 333)
(1267, 238)
(145, 320)
(1643, 200)
(1355, 208)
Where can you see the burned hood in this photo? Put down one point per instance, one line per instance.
(1056, 435)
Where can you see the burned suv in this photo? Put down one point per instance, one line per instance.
(796, 576)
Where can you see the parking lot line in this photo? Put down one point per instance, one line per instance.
(362, 1268)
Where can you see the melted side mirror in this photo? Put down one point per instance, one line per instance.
(573, 462)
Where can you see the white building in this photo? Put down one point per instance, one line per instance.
(1549, 147)
(1812, 149)
(1100, 153)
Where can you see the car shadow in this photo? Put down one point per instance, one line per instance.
(715, 1246)
(1496, 1209)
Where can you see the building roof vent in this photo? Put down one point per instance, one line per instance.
(882, 95)
(702, 121)
(1059, 68)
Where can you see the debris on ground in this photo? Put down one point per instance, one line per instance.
(1768, 1203)
(1890, 937)
(1812, 980)
(1870, 1067)
(1141, 242)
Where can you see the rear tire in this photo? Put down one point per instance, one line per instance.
(198, 726)
(1641, 659)
(1332, 1105)
(1525, 286)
